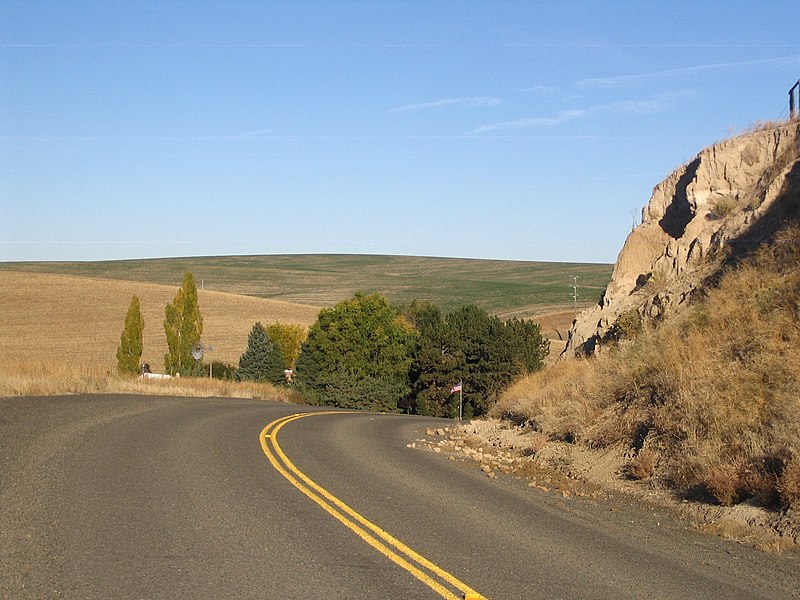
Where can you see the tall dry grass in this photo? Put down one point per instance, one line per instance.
(52, 378)
(714, 393)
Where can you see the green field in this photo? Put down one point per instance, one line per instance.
(505, 288)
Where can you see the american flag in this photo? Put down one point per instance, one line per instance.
(456, 388)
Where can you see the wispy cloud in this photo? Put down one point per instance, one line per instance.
(252, 135)
(471, 101)
(628, 107)
(540, 89)
(621, 80)
(557, 119)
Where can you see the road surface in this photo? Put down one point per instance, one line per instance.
(145, 497)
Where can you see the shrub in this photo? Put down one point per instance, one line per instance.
(627, 326)
(789, 483)
(722, 207)
(472, 346)
(643, 465)
(223, 370)
(723, 482)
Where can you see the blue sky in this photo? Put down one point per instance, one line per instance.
(513, 130)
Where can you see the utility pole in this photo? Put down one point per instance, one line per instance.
(794, 100)
(575, 291)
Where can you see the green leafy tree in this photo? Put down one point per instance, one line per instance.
(183, 327)
(129, 352)
(357, 355)
(263, 359)
(290, 338)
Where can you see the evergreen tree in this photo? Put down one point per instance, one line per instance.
(434, 365)
(482, 346)
(472, 346)
(530, 347)
(263, 359)
(183, 327)
(129, 352)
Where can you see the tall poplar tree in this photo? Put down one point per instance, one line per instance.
(183, 327)
(129, 352)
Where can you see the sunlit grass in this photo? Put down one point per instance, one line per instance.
(713, 394)
(34, 377)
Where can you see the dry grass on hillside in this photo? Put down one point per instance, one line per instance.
(78, 320)
(556, 324)
(710, 401)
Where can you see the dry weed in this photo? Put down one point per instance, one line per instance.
(715, 393)
(789, 483)
(643, 465)
(51, 378)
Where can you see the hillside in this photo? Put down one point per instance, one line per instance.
(79, 319)
(505, 288)
(693, 383)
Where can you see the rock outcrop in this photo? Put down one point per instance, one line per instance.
(731, 197)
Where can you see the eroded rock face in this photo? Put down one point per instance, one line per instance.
(700, 210)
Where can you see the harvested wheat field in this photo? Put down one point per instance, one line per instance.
(80, 319)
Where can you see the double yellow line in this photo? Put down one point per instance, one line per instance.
(420, 567)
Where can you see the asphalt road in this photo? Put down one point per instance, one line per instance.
(144, 497)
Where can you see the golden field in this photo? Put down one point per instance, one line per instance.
(77, 321)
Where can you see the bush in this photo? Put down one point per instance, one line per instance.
(470, 346)
(627, 326)
(224, 371)
(722, 207)
(643, 465)
(789, 483)
(724, 483)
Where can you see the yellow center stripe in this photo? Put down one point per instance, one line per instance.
(411, 562)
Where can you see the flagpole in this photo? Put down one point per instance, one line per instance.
(459, 387)
(461, 400)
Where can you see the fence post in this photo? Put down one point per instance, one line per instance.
(794, 101)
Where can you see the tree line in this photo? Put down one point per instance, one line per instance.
(364, 353)
(270, 350)
(368, 353)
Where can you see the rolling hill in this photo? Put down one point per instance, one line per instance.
(74, 311)
(73, 319)
(505, 288)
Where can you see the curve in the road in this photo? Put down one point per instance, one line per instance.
(399, 553)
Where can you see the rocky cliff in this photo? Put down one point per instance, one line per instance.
(722, 204)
